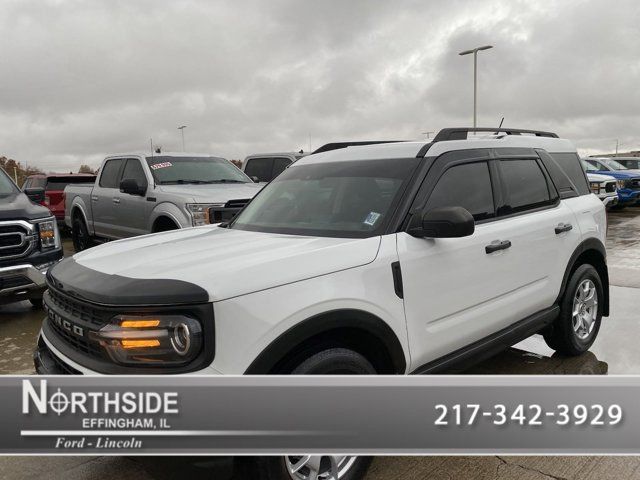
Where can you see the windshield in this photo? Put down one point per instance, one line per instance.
(615, 165)
(7, 187)
(588, 167)
(178, 170)
(339, 199)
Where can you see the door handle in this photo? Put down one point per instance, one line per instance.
(116, 200)
(494, 247)
(563, 227)
(94, 198)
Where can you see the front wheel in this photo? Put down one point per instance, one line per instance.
(80, 234)
(333, 361)
(577, 326)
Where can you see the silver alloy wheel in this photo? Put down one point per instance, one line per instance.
(317, 467)
(585, 309)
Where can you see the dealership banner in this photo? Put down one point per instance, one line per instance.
(134, 415)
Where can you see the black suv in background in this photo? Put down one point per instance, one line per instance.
(29, 242)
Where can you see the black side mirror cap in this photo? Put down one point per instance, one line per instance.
(131, 186)
(35, 194)
(444, 222)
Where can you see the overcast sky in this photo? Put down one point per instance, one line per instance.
(79, 80)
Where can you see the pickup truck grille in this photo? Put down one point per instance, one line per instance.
(17, 239)
(610, 187)
(236, 203)
(634, 183)
(226, 213)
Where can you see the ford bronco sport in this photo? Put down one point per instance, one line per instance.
(397, 258)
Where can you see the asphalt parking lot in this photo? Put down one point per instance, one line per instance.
(615, 352)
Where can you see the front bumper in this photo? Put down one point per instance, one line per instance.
(22, 281)
(609, 201)
(627, 196)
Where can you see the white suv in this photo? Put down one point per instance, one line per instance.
(397, 258)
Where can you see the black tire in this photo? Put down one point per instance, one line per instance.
(163, 224)
(80, 234)
(333, 361)
(36, 302)
(561, 336)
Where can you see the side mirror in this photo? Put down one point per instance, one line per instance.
(255, 179)
(132, 187)
(35, 194)
(445, 222)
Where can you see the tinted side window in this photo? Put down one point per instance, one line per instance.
(279, 164)
(525, 186)
(467, 186)
(259, 167)
(570, 165)
(133, 169)
(110, 171)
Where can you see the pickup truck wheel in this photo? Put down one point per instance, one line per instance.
(80, 234)
(577, 326)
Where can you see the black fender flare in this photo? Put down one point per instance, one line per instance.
(325, 322)
(588, 244)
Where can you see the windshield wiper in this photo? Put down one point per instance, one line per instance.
(227, 180)
(181, 181)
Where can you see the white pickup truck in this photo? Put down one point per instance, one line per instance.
(135, 194)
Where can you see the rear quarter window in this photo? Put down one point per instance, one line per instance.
(525, 186)
(570, 165)
(260, 168)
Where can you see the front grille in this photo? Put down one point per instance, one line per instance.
(634, 183)
(226, 213)
(236, 203)
(75, 309)
(80, 344)
(73, 320)
(14, 281)
(610, 187)
(16, 240)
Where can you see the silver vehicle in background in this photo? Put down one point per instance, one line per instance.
(136, 194)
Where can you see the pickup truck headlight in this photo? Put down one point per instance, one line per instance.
(200, 212)
(595, 187)
(619, 184)
(167, 340)
(49, 235)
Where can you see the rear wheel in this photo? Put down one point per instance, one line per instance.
(333, 361)
(80, 234)
(577, 326)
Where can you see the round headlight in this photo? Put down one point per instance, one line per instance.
(181, 339)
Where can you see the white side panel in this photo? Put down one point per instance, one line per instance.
(246, 325)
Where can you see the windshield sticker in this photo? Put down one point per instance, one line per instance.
(372, 218)
(158, 166)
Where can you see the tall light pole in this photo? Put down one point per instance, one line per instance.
(181, 128)
(475, 78)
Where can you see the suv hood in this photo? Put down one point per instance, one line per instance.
(17, 206)
(620, 174)
(224, 262)
(213, 192)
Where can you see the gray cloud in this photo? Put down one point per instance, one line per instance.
(83, 79)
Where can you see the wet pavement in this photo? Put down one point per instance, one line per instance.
(614, 352)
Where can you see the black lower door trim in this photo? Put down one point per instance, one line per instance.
(489, 346)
